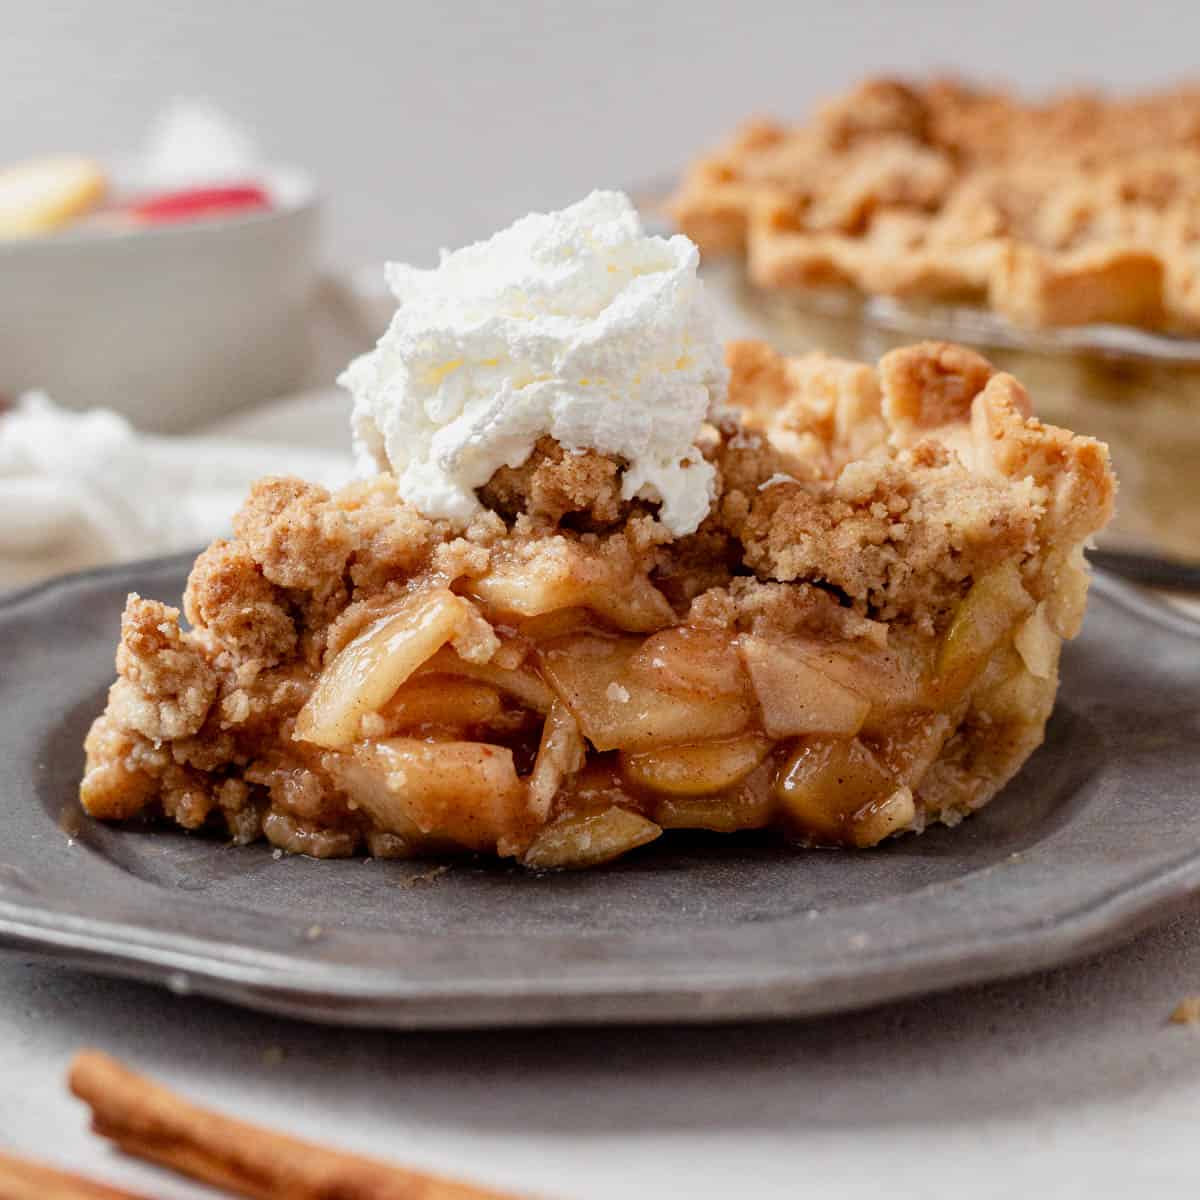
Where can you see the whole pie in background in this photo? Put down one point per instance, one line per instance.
(1080, 210)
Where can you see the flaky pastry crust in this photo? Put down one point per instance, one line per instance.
(1081, 210)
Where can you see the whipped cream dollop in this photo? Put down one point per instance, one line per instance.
(573, 324)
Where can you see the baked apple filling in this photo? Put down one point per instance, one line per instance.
(854, 643)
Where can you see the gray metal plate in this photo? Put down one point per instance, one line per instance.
(1096, 838)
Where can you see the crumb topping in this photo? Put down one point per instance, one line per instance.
(554, 484)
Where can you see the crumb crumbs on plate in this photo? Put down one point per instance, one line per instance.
(424, 877)
(1187, 1011)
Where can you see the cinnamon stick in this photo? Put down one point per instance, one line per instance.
(148, 1121)
(24, 1180)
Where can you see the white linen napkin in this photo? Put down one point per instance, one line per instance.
(81, 489)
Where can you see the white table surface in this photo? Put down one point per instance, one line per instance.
(1065, 1084)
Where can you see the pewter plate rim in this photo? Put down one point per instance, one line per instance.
(1125, 856)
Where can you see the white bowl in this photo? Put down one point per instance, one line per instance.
(169, 325)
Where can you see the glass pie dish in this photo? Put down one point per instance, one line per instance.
(1138, 391)
(1058, 235)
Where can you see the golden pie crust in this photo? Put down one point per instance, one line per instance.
(861, 638)
(1082, 210)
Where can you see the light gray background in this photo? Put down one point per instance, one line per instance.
(430, 123)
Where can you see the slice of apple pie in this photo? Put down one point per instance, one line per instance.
(860, 638)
